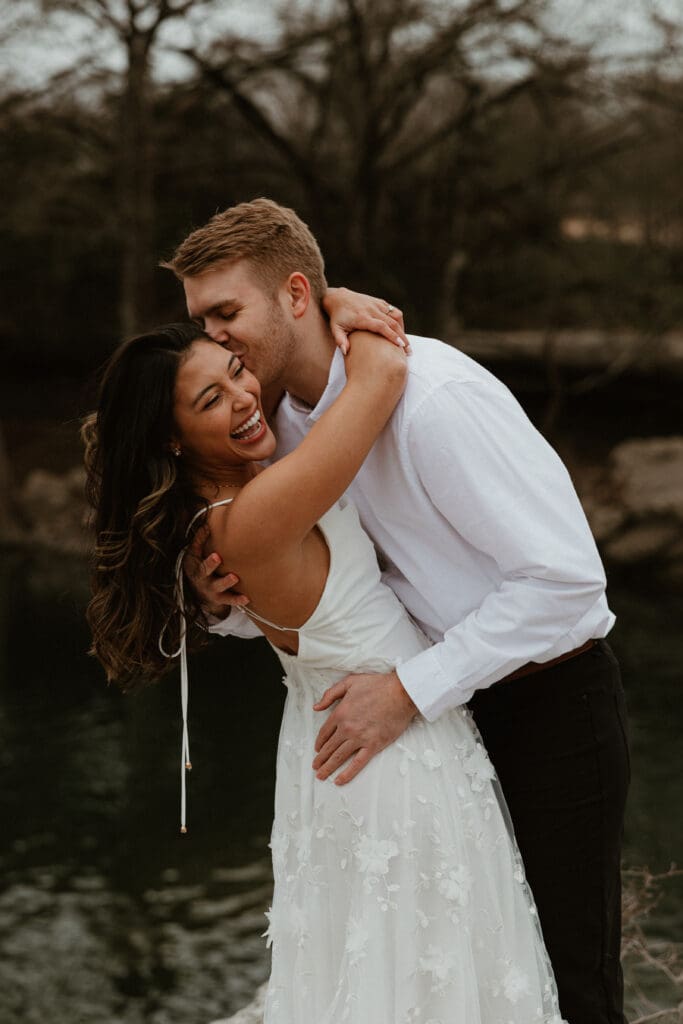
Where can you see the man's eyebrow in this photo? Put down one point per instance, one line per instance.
(214, 384)
(215, 307)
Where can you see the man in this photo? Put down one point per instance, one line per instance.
(484, 541)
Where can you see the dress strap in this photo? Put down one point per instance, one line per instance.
(203, 511)
(267, 622)
(181, 652)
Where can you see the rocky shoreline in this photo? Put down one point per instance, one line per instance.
(635, 507)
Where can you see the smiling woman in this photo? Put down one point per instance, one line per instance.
(180, 429)
(217, 401)
(143, 500)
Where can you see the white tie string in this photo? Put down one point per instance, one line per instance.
(185, 763)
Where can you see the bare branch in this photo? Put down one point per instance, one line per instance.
(255, 116)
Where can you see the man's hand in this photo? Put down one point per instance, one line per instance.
(373, 711)
(351, 311)
(213, 590)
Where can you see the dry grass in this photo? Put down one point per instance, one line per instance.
(653, 969)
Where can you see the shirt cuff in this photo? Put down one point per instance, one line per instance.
(428, 686)
(235, 624)
(220, 627)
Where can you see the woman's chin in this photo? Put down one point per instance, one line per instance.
(258, 449)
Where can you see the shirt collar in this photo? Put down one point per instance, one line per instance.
(335, 383)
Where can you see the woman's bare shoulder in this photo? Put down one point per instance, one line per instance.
(242, 531)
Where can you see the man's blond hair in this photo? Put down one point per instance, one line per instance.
(272, 238)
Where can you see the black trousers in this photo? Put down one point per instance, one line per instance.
(557, 739)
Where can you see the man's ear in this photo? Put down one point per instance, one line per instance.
(298, 292)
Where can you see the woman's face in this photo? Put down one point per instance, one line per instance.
(217, 410)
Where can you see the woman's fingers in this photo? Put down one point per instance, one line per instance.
(341, 337)
(382, 326)
(389, 330)
(394, 318)
(350, 311)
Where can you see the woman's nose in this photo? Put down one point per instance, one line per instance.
(242, 398)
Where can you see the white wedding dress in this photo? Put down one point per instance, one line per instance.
(400, 897)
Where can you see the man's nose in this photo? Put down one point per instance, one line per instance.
(217, 330)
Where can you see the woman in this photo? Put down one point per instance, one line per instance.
(401, 896)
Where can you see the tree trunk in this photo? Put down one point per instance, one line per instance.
(135, 184)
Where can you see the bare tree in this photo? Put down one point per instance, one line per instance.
(388, 115)
(134, 27)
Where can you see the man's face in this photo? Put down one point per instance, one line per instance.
(234, 309)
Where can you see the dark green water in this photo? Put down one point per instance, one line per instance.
(106, 913)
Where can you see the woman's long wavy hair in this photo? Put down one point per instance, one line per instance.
(143, 501)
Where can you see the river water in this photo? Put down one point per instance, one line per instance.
(107, 914)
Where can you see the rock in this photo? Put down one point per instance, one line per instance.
(649, 475)
(643, 542)
(604, 520)
(55, 511)
(251, 1014)
(635, 508)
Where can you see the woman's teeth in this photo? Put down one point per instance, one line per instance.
(249, 428)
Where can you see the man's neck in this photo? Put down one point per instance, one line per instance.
(309, 370)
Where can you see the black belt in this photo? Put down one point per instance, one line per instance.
(540, 666)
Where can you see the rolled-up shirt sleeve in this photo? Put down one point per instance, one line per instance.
(503, 489)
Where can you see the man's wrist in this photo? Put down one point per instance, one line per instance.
(406, 701)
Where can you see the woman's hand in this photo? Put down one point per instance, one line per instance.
(350, 311)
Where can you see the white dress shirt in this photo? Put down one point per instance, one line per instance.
(477, 525)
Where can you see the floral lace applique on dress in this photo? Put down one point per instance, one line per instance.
(399, 898)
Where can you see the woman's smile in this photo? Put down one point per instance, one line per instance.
(251, 430)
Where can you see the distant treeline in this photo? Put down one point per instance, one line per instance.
(458, 159)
